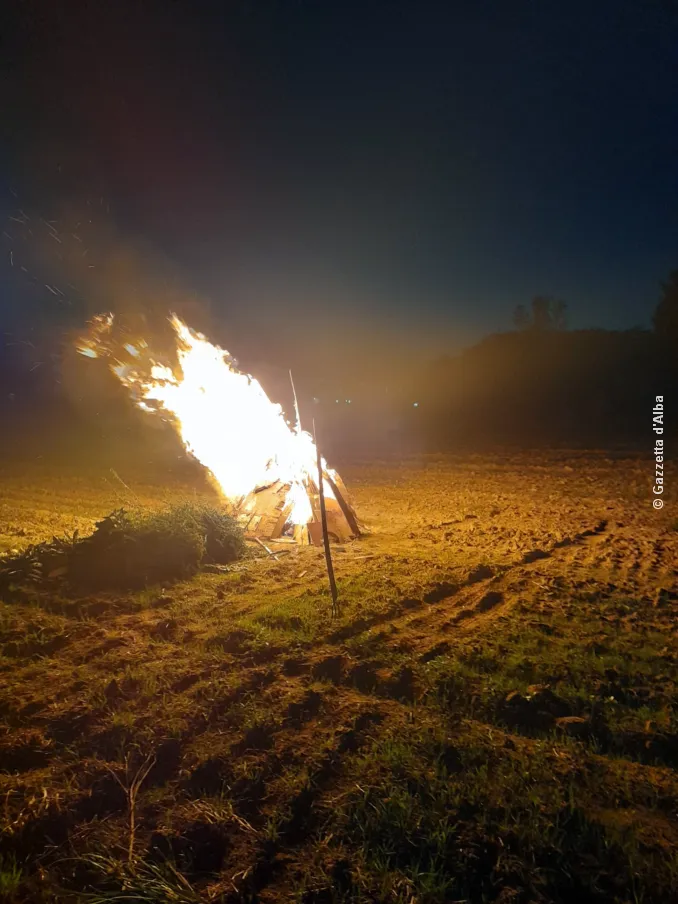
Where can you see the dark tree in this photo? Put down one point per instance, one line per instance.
(521, 319)
(560, 315)
(665, 318)
(548, 313)
(541, 313)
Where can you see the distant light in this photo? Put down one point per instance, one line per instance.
(337, 401)
(416, 405)
(316, 399)
(348, 401)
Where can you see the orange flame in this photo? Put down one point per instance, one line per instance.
(223, 416)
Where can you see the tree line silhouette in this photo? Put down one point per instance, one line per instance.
(538, 384)
(543, 383)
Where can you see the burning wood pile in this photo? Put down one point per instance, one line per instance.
(267, 512)
(266, 468)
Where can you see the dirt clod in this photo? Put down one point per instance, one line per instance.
(329, 669)
(480, 573)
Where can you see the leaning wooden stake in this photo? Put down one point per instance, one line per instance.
(326, 536)
(296, 404)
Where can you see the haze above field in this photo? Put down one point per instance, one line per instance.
(403, 170)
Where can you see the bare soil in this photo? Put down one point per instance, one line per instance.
(492, 717)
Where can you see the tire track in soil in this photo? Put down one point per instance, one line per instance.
(362, 696)
(318, 708)
(269, 859)
(316, 731)
(478, 605)
(480, 602)
(482, 594)
(266, 688)
(335, 718)
(636, 564)
(356, 698)
(401, 611)
(400, 616)
(357, 691)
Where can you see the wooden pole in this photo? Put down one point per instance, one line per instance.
(296, 404)
(326, 536)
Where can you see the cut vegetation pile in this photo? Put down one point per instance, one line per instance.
(131, 549)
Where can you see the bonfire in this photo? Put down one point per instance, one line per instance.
(264, 467)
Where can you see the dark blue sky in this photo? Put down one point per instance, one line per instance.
(427, 166)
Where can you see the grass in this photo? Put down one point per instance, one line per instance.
(150, 883)
(607, 660)
(10, 878)
(409, 750)
(455, 818)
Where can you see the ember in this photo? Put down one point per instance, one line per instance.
(264, 467)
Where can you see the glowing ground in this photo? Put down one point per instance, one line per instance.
(492, 718)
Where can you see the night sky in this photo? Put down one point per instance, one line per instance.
(383, 169)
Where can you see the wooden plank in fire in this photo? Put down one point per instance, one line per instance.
(344, 501)
(264, 512)
(338, 526)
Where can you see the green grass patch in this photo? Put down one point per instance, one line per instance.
(441, 816)
(10, 878)
(140, 881)
(604, 657)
